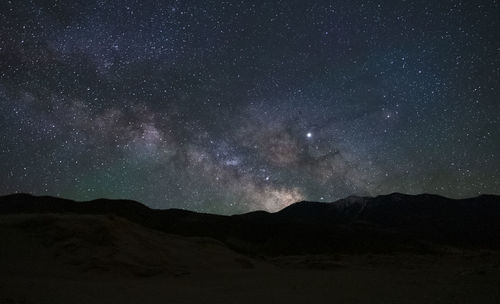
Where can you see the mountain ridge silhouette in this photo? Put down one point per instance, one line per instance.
(384, 223)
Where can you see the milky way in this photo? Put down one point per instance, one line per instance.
(228, 107)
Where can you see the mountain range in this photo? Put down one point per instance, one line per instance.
(381, 224)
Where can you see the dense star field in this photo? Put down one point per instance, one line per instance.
(231, 106)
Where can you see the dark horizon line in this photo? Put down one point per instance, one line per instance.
(24, 194)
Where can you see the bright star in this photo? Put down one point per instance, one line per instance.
(309, 135)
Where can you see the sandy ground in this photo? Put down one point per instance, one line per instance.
(97, 259)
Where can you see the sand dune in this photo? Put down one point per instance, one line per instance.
(87, 245)
(54, 258)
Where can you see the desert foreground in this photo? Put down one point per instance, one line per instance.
(106, 259)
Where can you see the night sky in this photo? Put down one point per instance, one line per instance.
(232, 106)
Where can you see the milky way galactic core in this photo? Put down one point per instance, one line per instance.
(234, 106)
